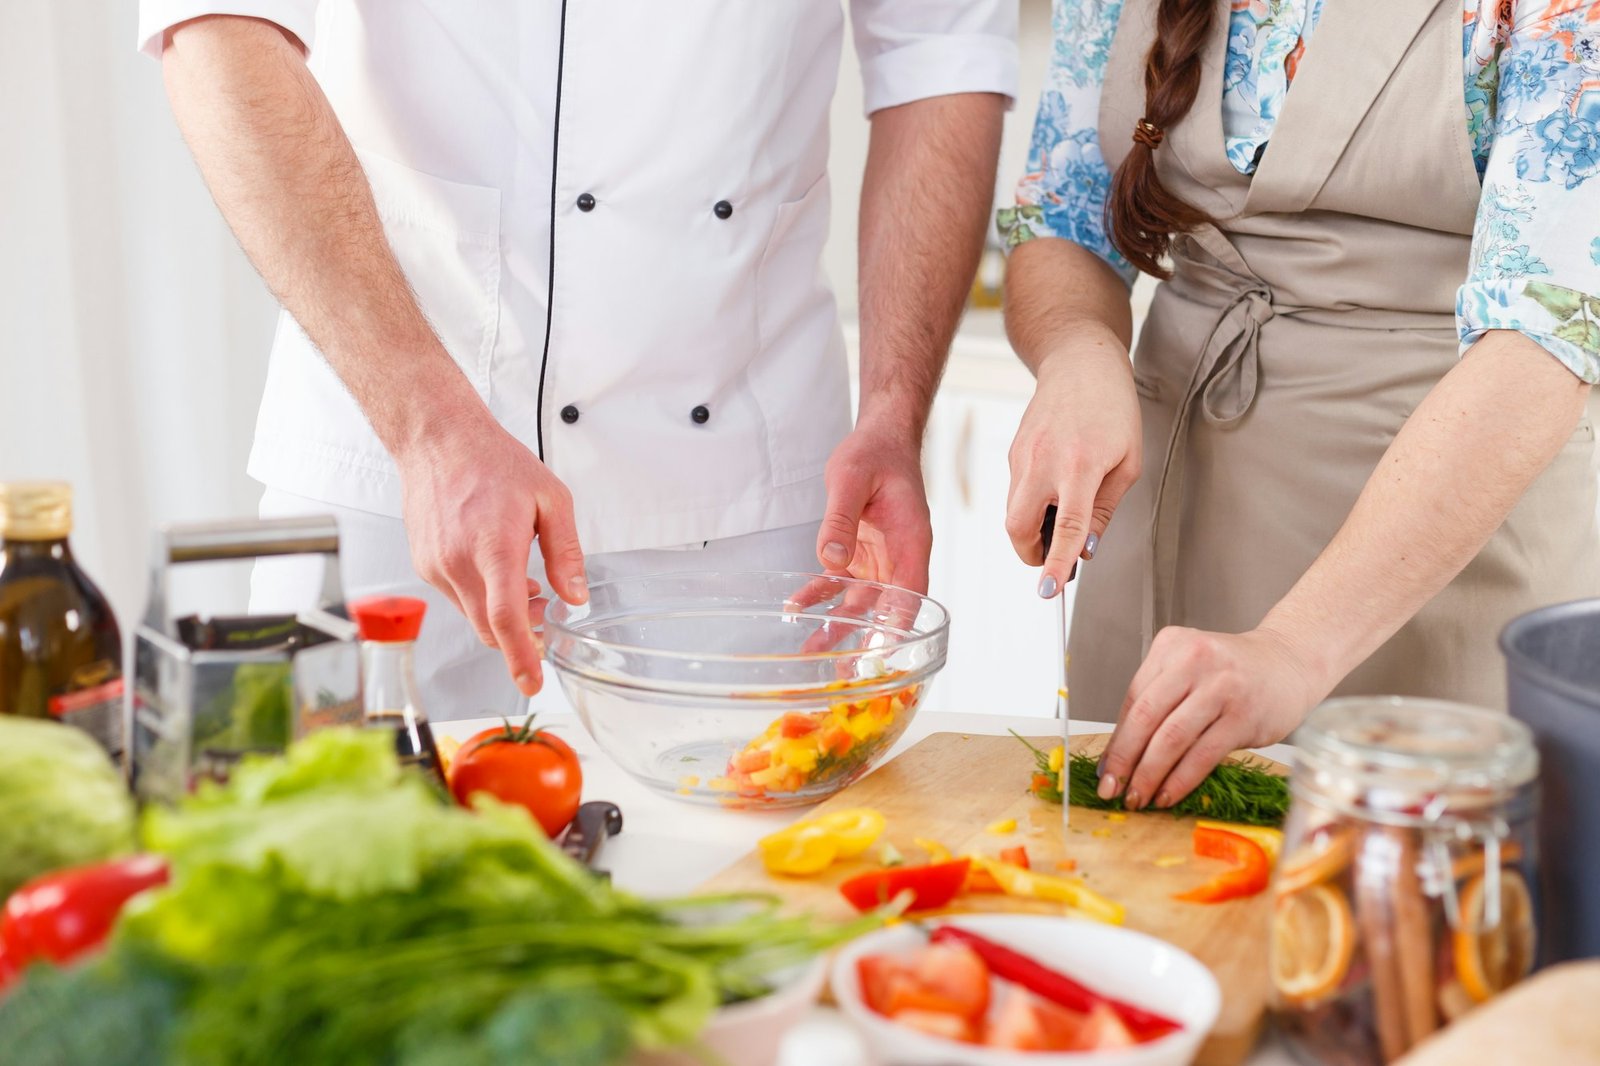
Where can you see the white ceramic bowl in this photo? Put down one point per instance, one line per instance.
(1117, 962)
(751, 1033)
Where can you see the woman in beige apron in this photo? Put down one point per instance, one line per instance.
(1322, 495)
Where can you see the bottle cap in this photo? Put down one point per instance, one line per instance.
(388, 619)
(35, 510)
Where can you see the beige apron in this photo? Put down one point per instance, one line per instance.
(1276, 367)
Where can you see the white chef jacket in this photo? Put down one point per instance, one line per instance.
(613, 213)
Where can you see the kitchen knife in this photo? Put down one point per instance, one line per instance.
(595, 821)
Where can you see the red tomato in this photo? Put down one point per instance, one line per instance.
(876, 973)
(941, 979)
(749, 762)
(525, 767)
(1023, 1025)
(937, 1023)
(64, 915)
(955, 973)
(798, 725)
(836, 741)
(1028, 1023)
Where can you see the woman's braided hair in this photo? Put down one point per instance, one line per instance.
(1141, 214)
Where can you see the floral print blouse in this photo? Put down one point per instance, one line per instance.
(1531, 82)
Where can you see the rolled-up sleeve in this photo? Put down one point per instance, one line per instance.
(156, 17)
(915, 49)
(1535, 264)
(1063, 193)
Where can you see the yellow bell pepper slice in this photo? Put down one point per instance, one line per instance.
(1002, 827)
(1269, 839)
(1030, 884)
(811, 846)
(1058, 757)
(854, 830)
(799, 851)
(937, 852)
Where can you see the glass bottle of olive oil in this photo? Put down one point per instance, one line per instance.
(60, 648)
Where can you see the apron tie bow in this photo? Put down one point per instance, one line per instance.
(1223, 386)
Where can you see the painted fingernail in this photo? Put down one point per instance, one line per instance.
(1132, 801)
(833, 554)
(1164, 799)
(1091, 545)
(1048, 587)
(1108, 786)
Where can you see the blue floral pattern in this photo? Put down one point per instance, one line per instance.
(1532, 111)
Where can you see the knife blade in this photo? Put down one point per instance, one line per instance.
(1062, 711)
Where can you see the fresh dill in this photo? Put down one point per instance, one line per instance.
(1241, 790)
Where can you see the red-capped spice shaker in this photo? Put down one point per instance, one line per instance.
(389, 628)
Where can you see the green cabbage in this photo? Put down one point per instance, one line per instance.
(62, 802)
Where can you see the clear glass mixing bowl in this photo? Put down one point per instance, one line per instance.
(746, 690)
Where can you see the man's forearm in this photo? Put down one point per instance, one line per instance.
(1059, 297)
(1456, 469)
(925, 204)
(286, 179)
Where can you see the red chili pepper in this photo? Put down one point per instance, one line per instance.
(1251, 868)
(64, 915)
(931, 886)
(1017, 856)
(1053, 985)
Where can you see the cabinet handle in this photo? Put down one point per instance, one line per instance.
(964, 460)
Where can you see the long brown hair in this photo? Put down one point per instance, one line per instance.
(1141, 213)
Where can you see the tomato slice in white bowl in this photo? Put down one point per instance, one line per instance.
(1119, 964)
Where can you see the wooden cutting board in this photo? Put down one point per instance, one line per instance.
(951, 787)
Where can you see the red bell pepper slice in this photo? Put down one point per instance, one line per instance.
(1055, 986)
(1017, 856)
(1251, 867)
(67, 914)
(931, 886)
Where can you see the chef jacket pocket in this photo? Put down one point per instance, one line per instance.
(446, 237)
(799, 378)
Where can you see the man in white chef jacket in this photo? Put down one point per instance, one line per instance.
(550, 276)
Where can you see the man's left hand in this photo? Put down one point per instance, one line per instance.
(877, 525)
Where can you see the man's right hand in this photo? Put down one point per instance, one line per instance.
(286, 178)
(475, 500)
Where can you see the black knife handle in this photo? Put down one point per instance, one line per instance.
(594, 822)
(1047, 533)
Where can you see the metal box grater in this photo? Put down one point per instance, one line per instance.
(209, 690)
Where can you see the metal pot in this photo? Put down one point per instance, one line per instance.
(1553, 680)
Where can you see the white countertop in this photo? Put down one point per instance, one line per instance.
(667, 847)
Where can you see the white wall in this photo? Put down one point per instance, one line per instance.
(133, 334)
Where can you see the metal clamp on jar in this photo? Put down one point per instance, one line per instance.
(209, 690)
(1402, 901)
